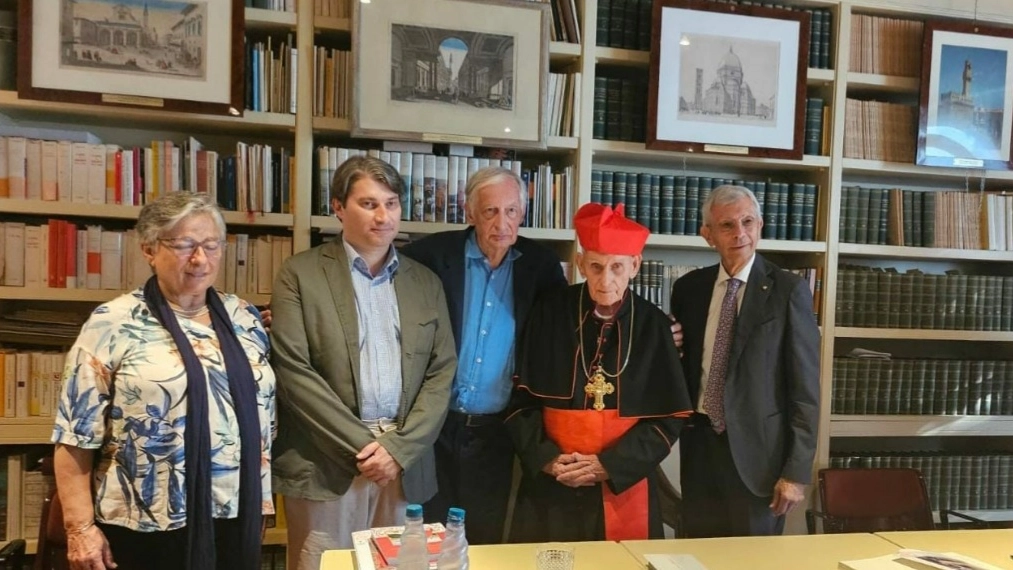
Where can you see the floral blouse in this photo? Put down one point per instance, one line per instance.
(124, 392)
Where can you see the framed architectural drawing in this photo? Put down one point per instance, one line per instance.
(966, 97)
(728, 79)
(451, 71)
(163, 54)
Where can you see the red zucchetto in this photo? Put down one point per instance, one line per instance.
(608, 231)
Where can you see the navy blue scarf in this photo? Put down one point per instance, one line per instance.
(197, 438)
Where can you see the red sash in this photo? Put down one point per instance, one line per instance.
(589, 432)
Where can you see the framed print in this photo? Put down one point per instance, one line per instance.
(966, 96)
(451, 71)
(165, 54)
(727, 79)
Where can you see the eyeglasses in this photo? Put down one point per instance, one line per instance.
(186, 247)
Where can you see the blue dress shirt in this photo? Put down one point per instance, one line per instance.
(485, 365)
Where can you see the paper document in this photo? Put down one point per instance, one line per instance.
(917, 560)
(673, 562)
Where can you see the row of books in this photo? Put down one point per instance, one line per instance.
(885, 46)
(620, 108)
(627, 24)
(624, 24)
(949, 219)
(30, 382)
(277, 5)
(62, 255)
(23, 489)
(565, 22)
(332, 8)
(878, 298)
(564, 104)
(271, 68)
(671, 205)
(655, 279)
(875, 130)
(255, 179)
(434, 185)
(922, 387)
(332, 82)
(979, 481)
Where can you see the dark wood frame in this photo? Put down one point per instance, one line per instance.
(803, 18)
(409, 134)
(971, 29)
(236, 89)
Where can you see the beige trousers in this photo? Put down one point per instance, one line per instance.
(316, 526)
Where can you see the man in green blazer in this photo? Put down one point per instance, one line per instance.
(364, 355)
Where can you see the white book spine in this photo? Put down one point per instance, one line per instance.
(32, 256)
(16, 150)
(44, 256)
(96, 174)
(14, 254)
(82, 259)
(111, 276)
(50, 170)
(79, 172)
(230, 264)
(33, 169)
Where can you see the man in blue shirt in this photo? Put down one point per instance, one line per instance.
(491, 278)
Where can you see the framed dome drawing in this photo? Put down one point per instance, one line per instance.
(726, 78)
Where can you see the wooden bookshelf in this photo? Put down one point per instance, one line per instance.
(332, 25)
(623, 57)
(250, 123)
(870, 82)
(636, 154)
(922, 334)
(331, 225)
(918, 425)
(914, 172)
(88, 295)
(118, 212)
(561, 53)
(768, 245)
(25, 431)
(929, 253)
(259, 19)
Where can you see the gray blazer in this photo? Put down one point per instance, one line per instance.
(772, 388)
(314, 337)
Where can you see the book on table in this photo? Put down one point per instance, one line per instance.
(907, 559)
(377, 548)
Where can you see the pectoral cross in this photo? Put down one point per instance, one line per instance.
(598, 387)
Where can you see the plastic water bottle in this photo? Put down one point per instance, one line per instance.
(413, 553)
(454, 551)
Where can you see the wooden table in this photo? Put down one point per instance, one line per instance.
(992, 546)
(800, 552)
(587, 556)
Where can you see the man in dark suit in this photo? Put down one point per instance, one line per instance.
(751, 359)
(491, 278)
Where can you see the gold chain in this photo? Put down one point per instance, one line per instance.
(629, 343)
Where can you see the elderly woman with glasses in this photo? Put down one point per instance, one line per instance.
(166, 413)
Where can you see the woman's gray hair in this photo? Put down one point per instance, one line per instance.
(493, 175)
(162, 214)
(728, 194)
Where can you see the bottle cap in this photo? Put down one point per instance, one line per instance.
(413, 511)
(455, 514)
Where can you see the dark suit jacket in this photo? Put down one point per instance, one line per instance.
(772, 388)
(315, 342)
(537, 270)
